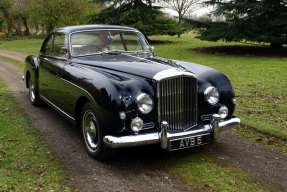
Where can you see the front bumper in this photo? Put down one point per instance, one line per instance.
(164, 136)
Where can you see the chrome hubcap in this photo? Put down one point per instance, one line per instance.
(90, 130)
(32, 93)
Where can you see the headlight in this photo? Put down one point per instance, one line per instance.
(145, 103)
(211, 95)
(136, 124)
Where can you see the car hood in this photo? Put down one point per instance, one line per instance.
(144, 65)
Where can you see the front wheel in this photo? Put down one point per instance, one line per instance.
(92, 134)
(34, 98)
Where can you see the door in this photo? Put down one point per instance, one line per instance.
(52, 61)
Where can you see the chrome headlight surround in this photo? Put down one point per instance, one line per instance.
(144, 103)
(211, 95)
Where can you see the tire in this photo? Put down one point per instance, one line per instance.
(92, 134)
(34, 97)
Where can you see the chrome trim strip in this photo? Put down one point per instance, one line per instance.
(163, 137)
(148, 126)
(170, 73)
(49, 102)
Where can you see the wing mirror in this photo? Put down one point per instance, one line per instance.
(64, 51)
(151, 48)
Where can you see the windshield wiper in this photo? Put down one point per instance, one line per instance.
(112, 52)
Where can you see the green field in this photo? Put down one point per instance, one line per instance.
(26, 164)
(260, 85)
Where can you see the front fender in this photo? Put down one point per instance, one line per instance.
(116, 92)
(211, 77)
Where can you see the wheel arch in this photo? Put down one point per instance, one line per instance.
(78, 108)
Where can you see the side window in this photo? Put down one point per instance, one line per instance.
(58, 45)
(47, 46)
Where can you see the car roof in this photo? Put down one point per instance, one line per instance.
(71, 29)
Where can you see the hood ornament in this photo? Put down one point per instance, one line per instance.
(174, 64)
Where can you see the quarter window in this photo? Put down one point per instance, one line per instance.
(47, 46)
(59, 45)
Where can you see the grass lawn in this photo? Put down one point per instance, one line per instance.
(203, 171)
(30, 46)
(260, 86)
(25, 162)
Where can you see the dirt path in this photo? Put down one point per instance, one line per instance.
(134, 170)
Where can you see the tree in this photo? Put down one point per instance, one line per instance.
(140, 14)
(253, 20)
(182, 7)
(53, 13)
(7, 14)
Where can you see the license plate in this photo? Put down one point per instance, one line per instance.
(187, 142)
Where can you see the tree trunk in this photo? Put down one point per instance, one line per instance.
(276, 45)
(18, 29)
(179, 21)
(27, 31)
(49, 28)
(7, 18)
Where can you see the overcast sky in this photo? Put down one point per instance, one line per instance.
(199, 12)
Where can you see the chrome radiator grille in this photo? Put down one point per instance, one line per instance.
(177, 102)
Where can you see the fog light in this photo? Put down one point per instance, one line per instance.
(223, 112)
(136, 124)
(122, 115)
(234, 101)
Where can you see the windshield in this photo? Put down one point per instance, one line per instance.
(98, 41)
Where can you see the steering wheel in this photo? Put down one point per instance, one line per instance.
(99, 49)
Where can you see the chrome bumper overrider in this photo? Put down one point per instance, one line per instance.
(162, 137)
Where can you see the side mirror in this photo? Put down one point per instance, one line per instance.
(64, 51)
(151, 48)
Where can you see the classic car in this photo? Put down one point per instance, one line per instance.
(107, 80)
